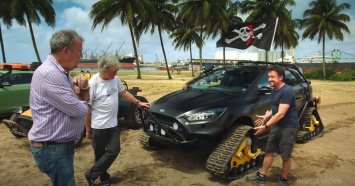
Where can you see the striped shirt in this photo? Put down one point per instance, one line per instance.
(57, 113)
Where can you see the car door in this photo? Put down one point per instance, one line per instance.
(16, 94)
(263, 103)
(298, 88)
(264, 100)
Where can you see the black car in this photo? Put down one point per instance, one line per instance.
(224, 103)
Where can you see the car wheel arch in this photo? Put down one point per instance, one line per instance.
(243, 120)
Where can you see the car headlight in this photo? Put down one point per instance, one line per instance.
(206, 115)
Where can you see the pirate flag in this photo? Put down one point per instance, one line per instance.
(259, 34)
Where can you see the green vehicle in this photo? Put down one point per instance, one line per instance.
(15, 81)
(14, 102)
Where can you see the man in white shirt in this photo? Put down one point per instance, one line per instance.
(101, 120)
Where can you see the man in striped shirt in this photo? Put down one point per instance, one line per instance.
(58, 105)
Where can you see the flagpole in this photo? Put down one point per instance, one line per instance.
(273, 36)
(272, 41)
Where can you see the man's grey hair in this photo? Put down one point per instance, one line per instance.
(108, 63)
(63, 38)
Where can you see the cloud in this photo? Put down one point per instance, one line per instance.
(73, 14)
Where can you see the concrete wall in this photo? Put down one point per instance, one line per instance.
(313, 66)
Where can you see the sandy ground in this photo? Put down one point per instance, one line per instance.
(328, 160)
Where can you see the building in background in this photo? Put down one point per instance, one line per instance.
(254, 54)
(140, 59)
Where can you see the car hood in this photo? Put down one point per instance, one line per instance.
(182, 101)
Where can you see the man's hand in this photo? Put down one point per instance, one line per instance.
(77, 90)
(144, 104)
(260, 129)
(80, 81)
(88, 135)
(260, 121)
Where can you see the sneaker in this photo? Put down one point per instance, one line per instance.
(257, 178)
(105, 183)
(88, 179)
(282, 182)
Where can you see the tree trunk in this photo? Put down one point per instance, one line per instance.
(33, 38)
(135, 52)
(192, 67)
(2, 47)
(162, 47)
(282, 53)
(324, 73)
(200, 48)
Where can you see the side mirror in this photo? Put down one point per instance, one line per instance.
(265, 90)
(206, 70)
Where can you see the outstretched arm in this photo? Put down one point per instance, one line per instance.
(134, 100)
(276, 118)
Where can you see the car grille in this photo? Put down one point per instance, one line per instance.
(180, 135)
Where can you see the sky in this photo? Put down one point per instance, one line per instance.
(73, 14)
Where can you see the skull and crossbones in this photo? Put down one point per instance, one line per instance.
(246, 33)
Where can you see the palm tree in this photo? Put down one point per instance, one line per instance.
(163, 21)
(325, 18)
(128, 11)
(3, 16)
(285, 36)
(232, 12)
(184, 37)
(2, 47)
(27, 12)
(204, 14)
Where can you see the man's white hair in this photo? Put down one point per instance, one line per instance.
(108, 63)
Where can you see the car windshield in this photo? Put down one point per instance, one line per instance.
(227, 80)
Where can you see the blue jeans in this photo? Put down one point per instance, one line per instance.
(57, 161)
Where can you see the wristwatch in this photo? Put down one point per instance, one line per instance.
(138, 102)
(85, 89)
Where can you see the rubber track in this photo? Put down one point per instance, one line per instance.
(144, 139)
(302, 132)
(230, 143)
(15, 128)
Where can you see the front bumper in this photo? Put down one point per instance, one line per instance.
(161, 129)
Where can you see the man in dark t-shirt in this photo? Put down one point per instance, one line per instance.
(284, 126)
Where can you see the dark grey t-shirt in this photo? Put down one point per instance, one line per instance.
(285, 95)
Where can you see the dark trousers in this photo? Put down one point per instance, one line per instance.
(106, 145)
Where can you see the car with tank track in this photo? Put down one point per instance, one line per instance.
(222, 104)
